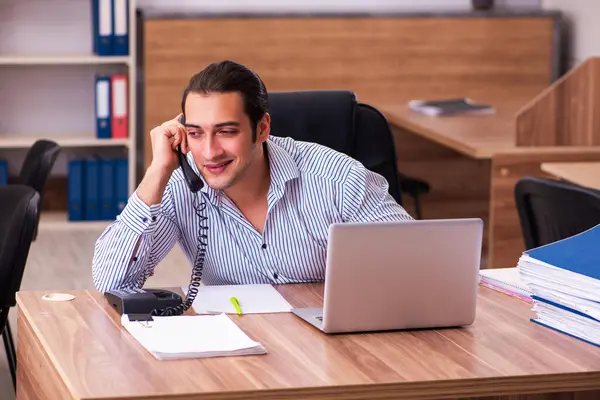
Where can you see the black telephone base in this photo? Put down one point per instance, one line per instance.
(141, 301)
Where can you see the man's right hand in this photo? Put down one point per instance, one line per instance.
(164, 139)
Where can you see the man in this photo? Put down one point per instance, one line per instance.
(266, 204)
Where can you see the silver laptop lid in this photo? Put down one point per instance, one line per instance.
(400, 275)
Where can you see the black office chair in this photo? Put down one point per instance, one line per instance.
(18, 217)
(37, 166)
(335, 119)
(552, 210)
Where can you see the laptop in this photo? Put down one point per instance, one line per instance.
(399, 275)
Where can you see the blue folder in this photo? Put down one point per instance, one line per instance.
(121, 27)
(3, 173)
(91, 186)
(121, 184)
(567, 309)
(102, 105)
(75, 190)
(577, 253)
(107, 190)
(103, 27)
(563, 332)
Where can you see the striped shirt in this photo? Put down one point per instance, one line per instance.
(312, 187)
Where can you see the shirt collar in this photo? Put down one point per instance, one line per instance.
(282, 166)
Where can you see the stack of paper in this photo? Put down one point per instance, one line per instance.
(564, 277)
(505, 280)
(253, 299)
(198, 336)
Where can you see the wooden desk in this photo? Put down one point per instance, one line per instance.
(473, 164)
(476, 136)
(580, 173)
(78, 350)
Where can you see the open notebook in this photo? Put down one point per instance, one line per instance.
(197, 336)
(506, 280)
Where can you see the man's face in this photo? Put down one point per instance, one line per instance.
(220, 137)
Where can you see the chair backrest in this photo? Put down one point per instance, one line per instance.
(37, 166)
(375, 146)
(551, 210)
(333, 118)
(18, 216)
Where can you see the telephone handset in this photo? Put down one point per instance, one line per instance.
(143, 303)
(194, 182)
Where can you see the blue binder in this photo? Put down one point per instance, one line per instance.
(103, 27)
(91, 186)
(121, 27)
(3, 173)
(103, 107)
(107, 190)
(121, 184)
(569, 310)
(75, 190)
(576, 253)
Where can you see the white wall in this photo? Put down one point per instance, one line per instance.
(279, 6)
(583, 19)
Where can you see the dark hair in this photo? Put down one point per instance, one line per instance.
(229, 76)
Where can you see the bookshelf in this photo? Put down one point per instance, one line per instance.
(16, 141)
(47, 91)
(61, 59)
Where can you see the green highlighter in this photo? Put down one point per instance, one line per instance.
(236, 305)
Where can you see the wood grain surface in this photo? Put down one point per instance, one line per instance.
(566, 112)
(580, 173)
(380, 59)
(79, 348)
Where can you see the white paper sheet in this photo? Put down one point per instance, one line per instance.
(254, 299)
(199, 336)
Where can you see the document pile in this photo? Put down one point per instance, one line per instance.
(198, 336)
(507, 281)
(564, 277)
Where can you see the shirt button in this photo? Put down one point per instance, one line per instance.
(135, 259)
(144, 219)
(264, 246)
(275, 276)
(154, 218)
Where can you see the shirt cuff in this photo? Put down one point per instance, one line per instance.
(138, 216)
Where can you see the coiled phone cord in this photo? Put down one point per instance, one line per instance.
(201, 244)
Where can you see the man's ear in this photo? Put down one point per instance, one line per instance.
(263, 129)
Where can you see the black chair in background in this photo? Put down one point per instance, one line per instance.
(18, 218)
(37, 166)
(335, 119)
(552, 210)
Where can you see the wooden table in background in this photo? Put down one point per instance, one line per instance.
(580, 173)
(78, 350)
(473, 164)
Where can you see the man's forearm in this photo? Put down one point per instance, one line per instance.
(128, 250)
(153, 185)
(114, 255)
